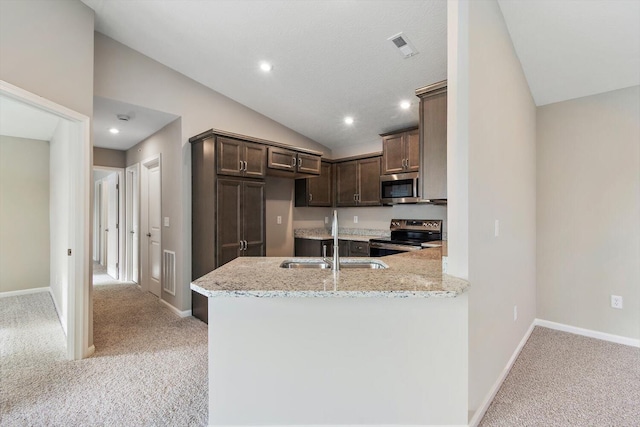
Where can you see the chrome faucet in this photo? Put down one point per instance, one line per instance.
(335, 265)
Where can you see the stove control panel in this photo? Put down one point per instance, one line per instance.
(416, 224)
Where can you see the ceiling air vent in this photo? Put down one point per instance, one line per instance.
(404, 45)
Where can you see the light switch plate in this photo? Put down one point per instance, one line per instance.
(166, 221)
(279, 219)
(355, 219)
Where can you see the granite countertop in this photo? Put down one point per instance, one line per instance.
(357, 234)
(416, 274)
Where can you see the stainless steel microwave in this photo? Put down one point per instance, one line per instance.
(399, 188)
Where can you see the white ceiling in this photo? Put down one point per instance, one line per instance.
(143, 122)
(24, 121)
(574, 48)
(331, 58)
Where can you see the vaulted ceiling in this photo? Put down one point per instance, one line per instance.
(333, 59)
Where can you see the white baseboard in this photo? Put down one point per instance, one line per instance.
(89, 351)
(588, 333)
(24, 292)
(479, 413)
(186, 313)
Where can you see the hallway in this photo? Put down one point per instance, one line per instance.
(149, 368)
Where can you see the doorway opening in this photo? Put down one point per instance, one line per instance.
(69, 213)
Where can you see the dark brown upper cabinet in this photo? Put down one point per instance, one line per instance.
(240, 158)
(285, 162)
(316, 191)
(433, 142)
(358, 182)
(401, 151)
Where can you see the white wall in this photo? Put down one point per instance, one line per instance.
(24, 213)
(502, 186)
(59, 203)
(124, 75)
(589, 211)
(371, 361)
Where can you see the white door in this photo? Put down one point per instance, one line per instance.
(112, 228)
(132, 220)
(103, 222)
(151, 223)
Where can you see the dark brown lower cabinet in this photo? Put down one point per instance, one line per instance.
(240, 219)
(312, 247)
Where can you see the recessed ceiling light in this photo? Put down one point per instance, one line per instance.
(348, 120)
(114, 131)
(266, 67)
(405, 105)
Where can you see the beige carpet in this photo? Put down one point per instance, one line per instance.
(149, 369)
(561, 379)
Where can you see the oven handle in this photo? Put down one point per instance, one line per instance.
(406, 248)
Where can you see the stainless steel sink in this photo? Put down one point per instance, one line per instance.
(312, 263)
(364, 263)
(344, 263)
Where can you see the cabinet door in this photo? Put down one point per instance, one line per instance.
(369, 182)
(312, 247)
(253, 218)
(203, 208)
(343, 248)
(347, 183)
(358, 248)
(393, 156)
(433, 173)
(230, 156)
(282, 159)
(309, 163)
(412, 150)
(228, 220)
(255, 156)
(320, 188)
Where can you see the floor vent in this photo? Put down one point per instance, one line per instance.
(169, 272)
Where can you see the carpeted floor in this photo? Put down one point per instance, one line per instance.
(149, 368)
(562, 379)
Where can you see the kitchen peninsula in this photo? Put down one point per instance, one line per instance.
(357, 346)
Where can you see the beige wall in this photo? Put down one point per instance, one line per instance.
(24, 213)
(279, 193)
(47, 48)
(165, 142)
(109, 158)
(502, 186)
(123, 74)
(589, 212)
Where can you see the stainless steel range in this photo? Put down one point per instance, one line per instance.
(407, 235)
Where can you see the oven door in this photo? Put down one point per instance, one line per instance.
(377, 249)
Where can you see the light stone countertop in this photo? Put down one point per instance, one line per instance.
(355, 234)
(416, 274)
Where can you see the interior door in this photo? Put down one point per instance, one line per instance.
(132, 219)
(150, 231)
(154, 229)
(111, 187)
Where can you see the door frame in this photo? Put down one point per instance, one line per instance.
(145, 165)
(132, 222)
(80, 308)
(121, 216)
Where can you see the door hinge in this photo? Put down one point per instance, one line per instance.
(68, 252)
(117, 186)
(117, 226)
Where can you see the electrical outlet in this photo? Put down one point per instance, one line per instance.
(279, 219)
(496, 229)
(616, 301)
(355, 219)
(515, 313)
(326, 220)
(166, 221)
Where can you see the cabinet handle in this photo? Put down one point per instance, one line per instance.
(241, 165)
(293, 162)
(310, 197)
(244, 168)
(299, 162)
(355, 197)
